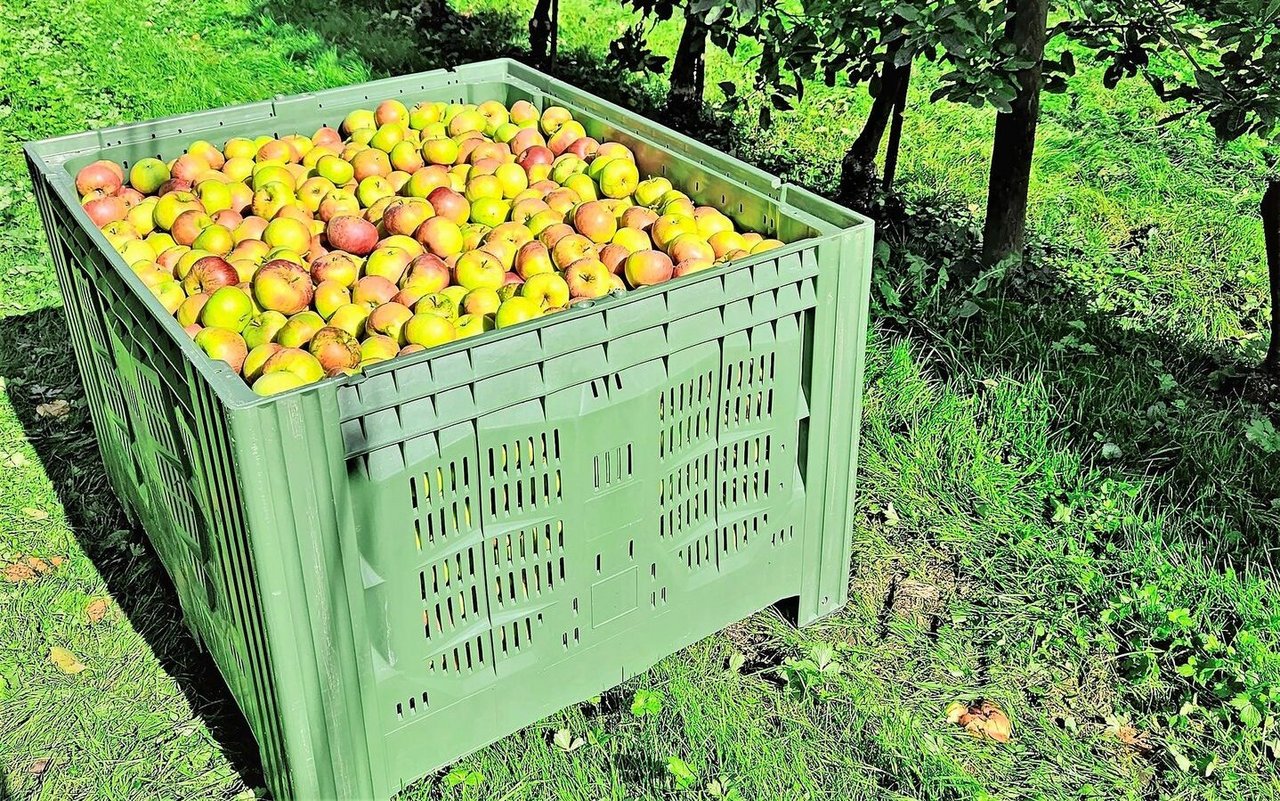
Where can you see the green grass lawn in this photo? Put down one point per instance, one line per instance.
(1069, 490)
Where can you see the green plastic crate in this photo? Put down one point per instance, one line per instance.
(394, 569)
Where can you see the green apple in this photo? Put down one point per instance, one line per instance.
(516, 310)
(263, 328)
(228, 307)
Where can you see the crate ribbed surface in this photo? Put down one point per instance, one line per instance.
(394, 569)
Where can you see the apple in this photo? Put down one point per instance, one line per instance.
(336, 266)
(425, 181)
(476, 268)
(263, 328)
(330, 296)
(548, 290)
(224, 345)
(424, 114)
(500, 249)
(188, 226)
(690, 246)
(389, 320)
(370, 163)
(668, 227)
(552, 234)
(146, 175)
(442, 304)
(725, 242)
(257, 358)
(570, 248)
(102, 177)
(299, 329)
(106, 209)
(450, 204)
(426, 274)
(283, 286)
(440, 151)
(189, 312)
(373, 291)
(169, 293)
(429, 330)
(209, 273)
(544, 220)
(469, 325)
(489, 211)
(228, 307)
(565, 135)
(293, 359)
(481, 301)
(352, 234)
(406, 157)
(516, 310)
(335, 349)
(327, 137)
(587, 278)
(614, 256)
(691, 265)
(510, 232)
(648, 267)
(766, 244)
(351, 318)
(404, 216)
(377, 348)
(596, 221)
(271, 198)
(584, 148)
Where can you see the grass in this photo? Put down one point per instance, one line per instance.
(1068, 490)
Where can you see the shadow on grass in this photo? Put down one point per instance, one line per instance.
(33, 356)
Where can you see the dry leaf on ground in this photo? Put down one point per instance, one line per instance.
(981, 719)
(66, 661)
(97, 609)
(54, 409)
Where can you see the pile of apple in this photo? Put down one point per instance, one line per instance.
(295, 258)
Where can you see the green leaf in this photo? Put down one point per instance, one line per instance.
(646, 702)
(681, 773)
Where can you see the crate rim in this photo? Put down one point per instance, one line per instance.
(51, 155)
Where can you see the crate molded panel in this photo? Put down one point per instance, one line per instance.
(394, 569)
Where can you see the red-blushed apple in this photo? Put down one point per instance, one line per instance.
(424, 181)
(327, 137)
(337, 266)
(340, 202)
(189, 312)
(192, 330)
(441, 236)
(619, 285)
(370, 163)
(442, 304)
(229, 219)
(224, 345)
(378, 348)
(595, 221)
(103, 177)
(480, 301)
(283, 286)
(173, 185)
(614, 256)
(335, 349)
(428, 330)
(548, 290)
(228, 307)
(450, 204)
(524, 210)
(351, 318)
(691, 265)
(552, 234)
(188, 226)
(388, 320)
(535, 154)
(587, 278)
(582, 186)
(516, 310)
(263, 328)
(352, 234)
(565, 135)
(533, 258)
(209, 274)
(502, 250)
(570, 248)
(476, 268)
(106, 209)
(299, 329)
(690, 246)
(584, 148)
(426, 274)
(510, 232)
(404, 216)
(648, 267)
(373, 291)
(406, 243)
(563, 200)
(397, 180)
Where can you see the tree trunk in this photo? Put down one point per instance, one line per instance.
(1005, 232)
(895, 130)
(1271, 233)
(858, 167)
(687, 69)
(540, 28)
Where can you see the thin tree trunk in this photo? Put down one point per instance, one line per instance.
(895, 130)
(858, 167)
(1271, 232)
(540, 32)
(1005, 232)
(688, 68)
